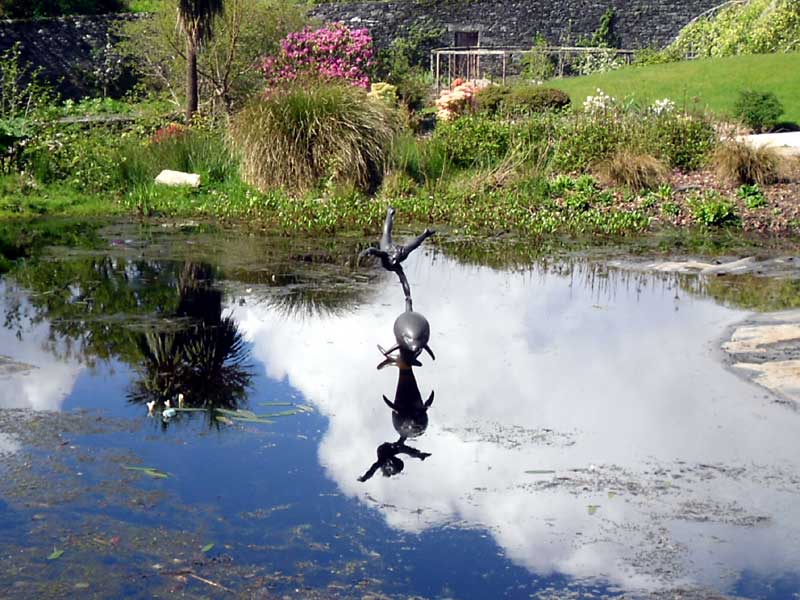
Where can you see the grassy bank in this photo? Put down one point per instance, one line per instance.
(714, 82)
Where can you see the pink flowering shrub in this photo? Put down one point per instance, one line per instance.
(332, 52)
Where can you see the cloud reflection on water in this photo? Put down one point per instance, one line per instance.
(51, 379)
(540, 371)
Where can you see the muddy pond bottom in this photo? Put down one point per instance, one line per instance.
(189, 414)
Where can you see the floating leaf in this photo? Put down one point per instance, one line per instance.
(275, 404)
(55, 555)
(285, 413)
(237, 413)
(305, 408)
(207, 548)
(149, 471)
(223, 419)
(612, 495)
(256, 419)
(540, 472)
(593, 508)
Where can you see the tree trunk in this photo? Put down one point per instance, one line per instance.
(191, 81)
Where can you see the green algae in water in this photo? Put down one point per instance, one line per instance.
(149, 471)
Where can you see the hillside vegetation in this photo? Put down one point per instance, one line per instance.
(712, 83)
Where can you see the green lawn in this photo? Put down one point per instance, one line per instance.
(711, 83)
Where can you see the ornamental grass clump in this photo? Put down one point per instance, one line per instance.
(743, 164)
(634, 170)
(301, 135)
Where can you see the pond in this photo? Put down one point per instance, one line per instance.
(586, 434)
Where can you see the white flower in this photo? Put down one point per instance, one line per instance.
(598, 103)
(663, 106)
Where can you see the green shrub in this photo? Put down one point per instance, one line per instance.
(712, 210)
(581, 141)
(305, 133)
(535, 99)
(414, 88)
(424, 160)
(193, 150)
(84, 157)
(760, 111)
(520, 100)
(685, 141)
(491, 99)
(537, 64)
(741, 163)
(634, 170)
(752, 196)
(474, 140)
(24, 95)
(753, 27)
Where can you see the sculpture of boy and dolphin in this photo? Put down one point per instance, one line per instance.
(412, 333)
(411, 329)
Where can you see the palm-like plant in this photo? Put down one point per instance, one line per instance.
(195, 18)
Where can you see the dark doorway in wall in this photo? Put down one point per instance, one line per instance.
(467, 66)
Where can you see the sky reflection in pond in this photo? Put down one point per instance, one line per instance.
(616, 388)
(582, 419)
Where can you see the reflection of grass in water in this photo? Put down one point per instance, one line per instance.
(318, 300)
(22, 239)
(751, 292)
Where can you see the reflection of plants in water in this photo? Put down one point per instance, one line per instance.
(90, 303)
(749, 292)
(204, 360)
(317, 299)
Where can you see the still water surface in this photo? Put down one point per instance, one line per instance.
(585, 436)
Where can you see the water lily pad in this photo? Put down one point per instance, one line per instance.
(55, 554)
(207, 548)
(593, 508)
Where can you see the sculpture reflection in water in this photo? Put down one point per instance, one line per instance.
(200, 363)
(412, 333)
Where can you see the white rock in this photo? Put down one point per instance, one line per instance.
(167, 177)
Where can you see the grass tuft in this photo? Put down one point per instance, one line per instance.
(743, 164)
(298, 137)
(636, 171)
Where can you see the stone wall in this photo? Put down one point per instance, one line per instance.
(638, 23)
(69, 50)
